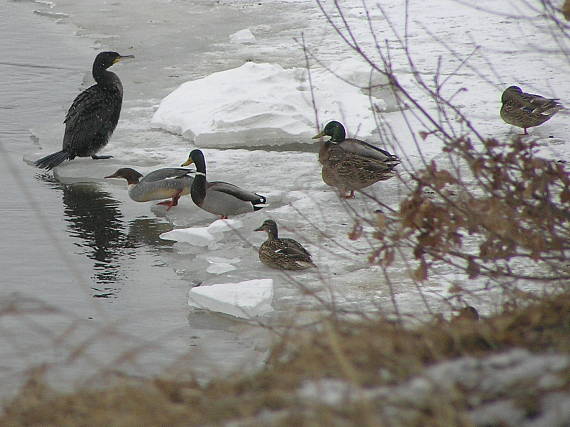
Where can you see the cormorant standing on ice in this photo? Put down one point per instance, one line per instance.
(93, 116)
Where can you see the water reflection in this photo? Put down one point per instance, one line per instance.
(95, 219)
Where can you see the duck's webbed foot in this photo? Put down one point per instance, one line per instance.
(171, 203)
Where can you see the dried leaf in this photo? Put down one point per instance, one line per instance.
(473, 269)
(421, 273)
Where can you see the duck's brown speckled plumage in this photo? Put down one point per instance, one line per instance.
(282, 253)
(351, 164)
(526, 110)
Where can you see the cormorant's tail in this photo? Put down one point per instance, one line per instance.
(51, 161)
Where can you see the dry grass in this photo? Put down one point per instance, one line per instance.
(362, 354)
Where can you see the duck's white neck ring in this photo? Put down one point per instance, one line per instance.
(200, 173)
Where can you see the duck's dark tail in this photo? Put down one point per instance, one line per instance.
(261, 200)
(51, 161)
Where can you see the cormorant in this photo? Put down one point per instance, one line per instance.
(93, 116)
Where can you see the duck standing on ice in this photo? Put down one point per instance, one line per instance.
(351, 164)
(157, 185)
(220, 198)
(526, 110)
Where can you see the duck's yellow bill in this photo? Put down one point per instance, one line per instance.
(187, 162)
(319, 135)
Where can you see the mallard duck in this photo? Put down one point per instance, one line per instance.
(157, 185)
(526, 110)
(284, 254)
(220, 198)
(351, 164)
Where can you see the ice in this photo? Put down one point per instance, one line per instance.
(261, 104)
(220, 265)
(220, 268)
(202, 236)
(243, 36)
(251, 298)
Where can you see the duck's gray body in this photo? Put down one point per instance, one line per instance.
(362, 148)
(218, 197)
(225, 199)
(161, 184)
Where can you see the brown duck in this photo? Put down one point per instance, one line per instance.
(351, 164)
(526, 110)
(282, 253)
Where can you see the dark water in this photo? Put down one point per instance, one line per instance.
(70, 251)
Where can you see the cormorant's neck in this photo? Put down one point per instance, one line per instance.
(101, 75)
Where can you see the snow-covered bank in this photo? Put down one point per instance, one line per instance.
(490, 385)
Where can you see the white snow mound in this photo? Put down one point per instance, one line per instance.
(202, 236)
(244, 299)
(261, 104)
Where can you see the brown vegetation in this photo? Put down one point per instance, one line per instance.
(363, 354)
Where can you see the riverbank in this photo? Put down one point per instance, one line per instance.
(509, 369)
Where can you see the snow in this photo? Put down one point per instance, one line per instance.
(270, 106)
(251, 298)
(488, 384)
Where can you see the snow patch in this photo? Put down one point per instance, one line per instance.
(263, 104)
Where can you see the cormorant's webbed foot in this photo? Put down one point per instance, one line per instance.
(94, 157)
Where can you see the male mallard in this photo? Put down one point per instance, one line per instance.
(284, 254)
(220, 198)
(157, 185)
(526, 110)
(351, 164)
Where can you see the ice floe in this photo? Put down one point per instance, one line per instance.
(243, 36)
(262, 104)
(251, 298)
(202, 236)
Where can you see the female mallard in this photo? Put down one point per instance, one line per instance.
(220, 198)
(351, 164)
(157, 185)
(284, 254)
(526, 110)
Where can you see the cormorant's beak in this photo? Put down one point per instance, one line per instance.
(187, 162)
(319, 135)
(121, 57)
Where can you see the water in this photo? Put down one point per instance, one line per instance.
(84, 271)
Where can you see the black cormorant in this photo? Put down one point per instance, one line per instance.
(93, 116)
